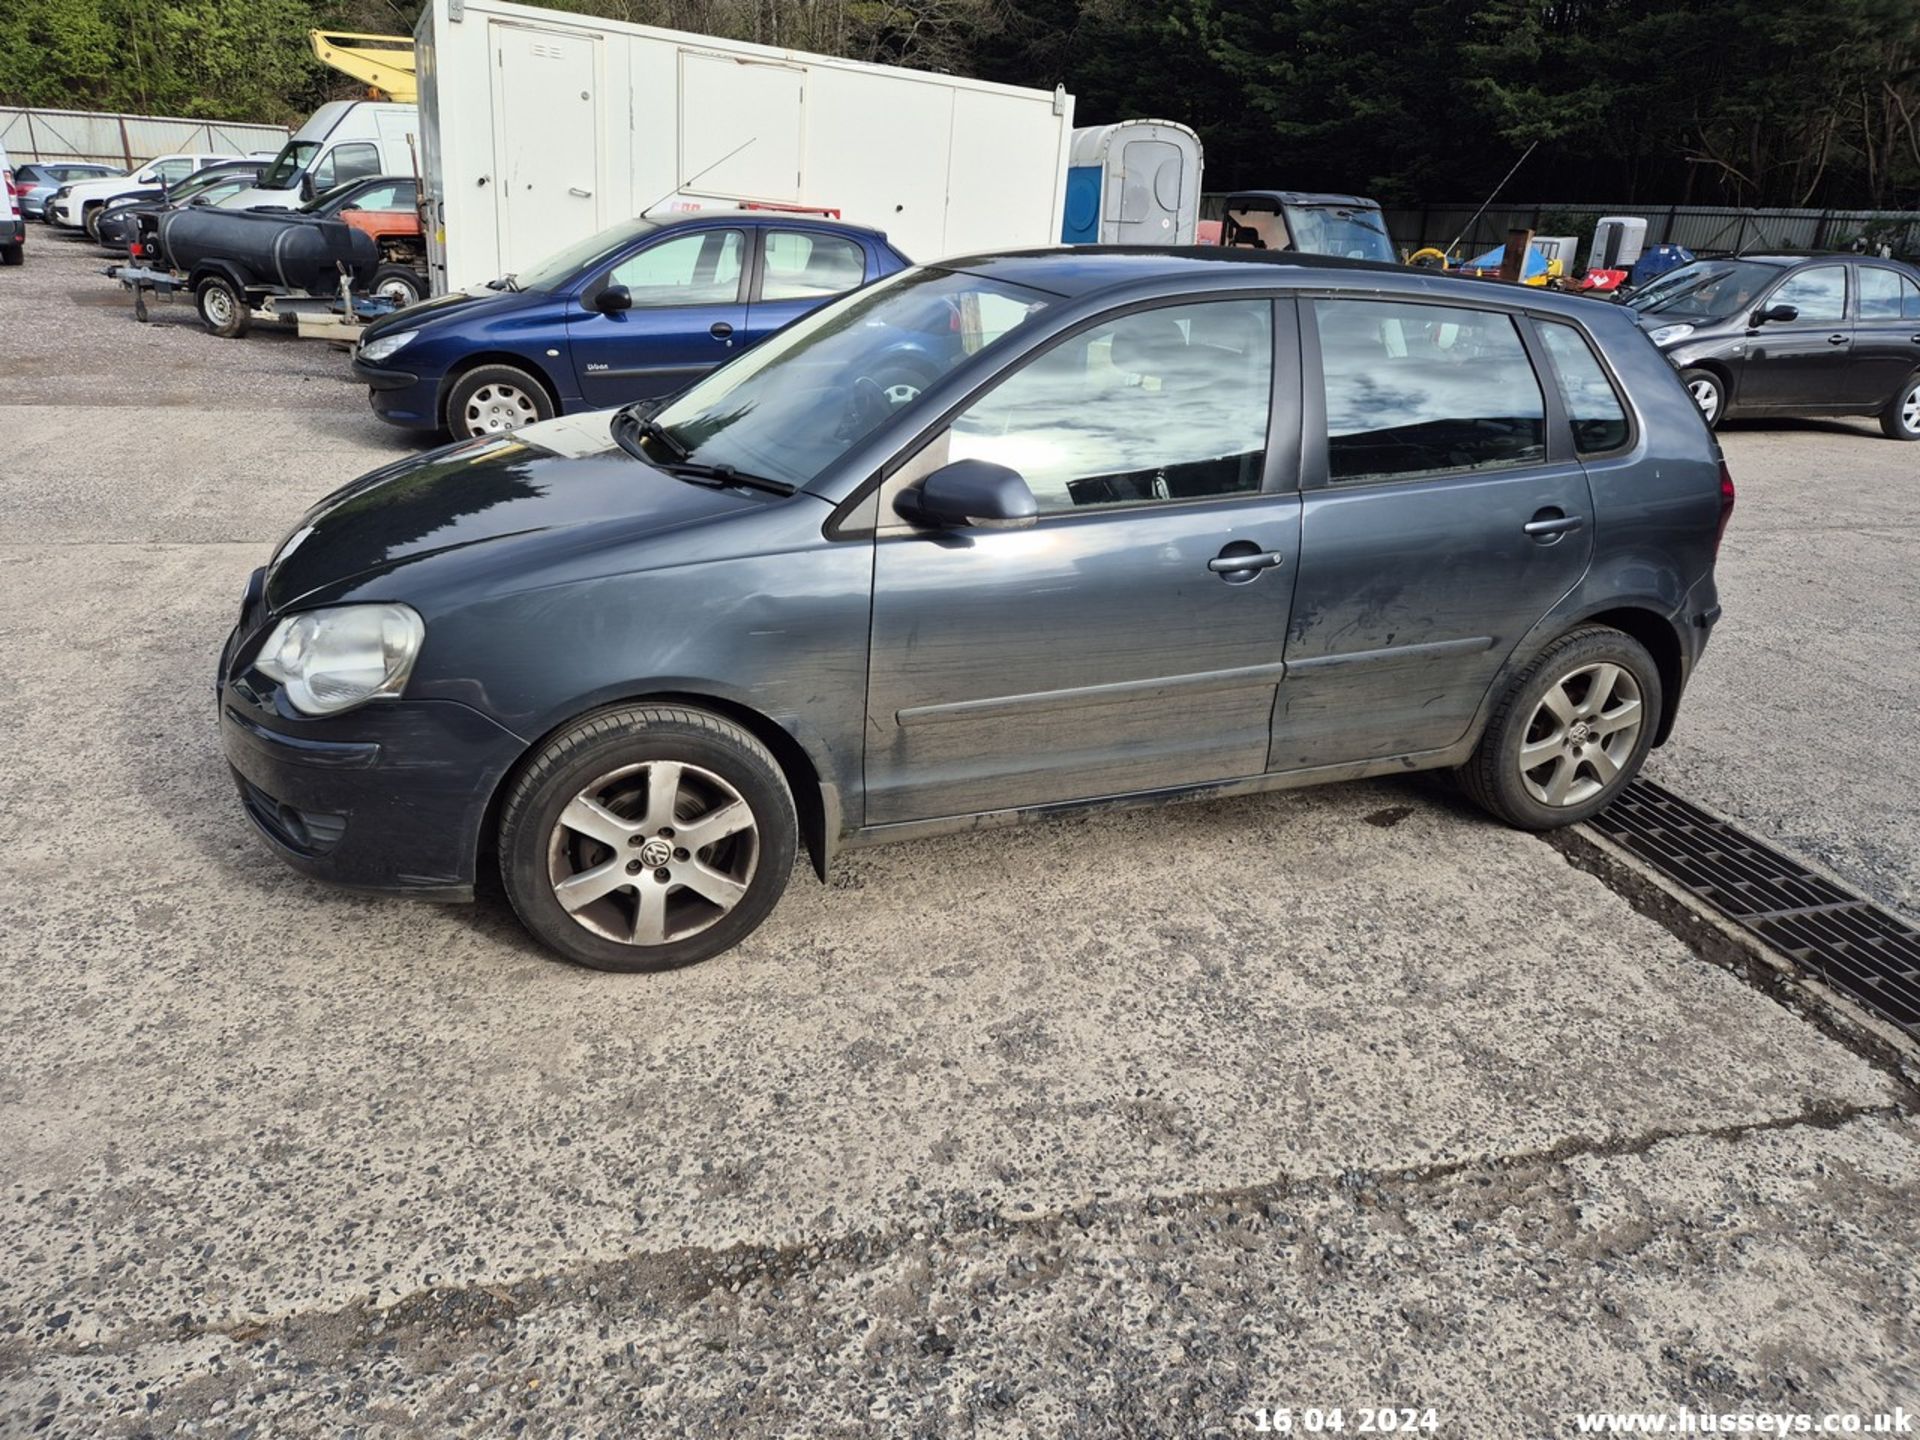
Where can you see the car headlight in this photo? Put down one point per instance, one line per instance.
(331, 660)
(386, 345)
(1669, 334)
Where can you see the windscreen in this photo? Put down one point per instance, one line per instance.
(792, 406)
(582, 255)
(1705, 290)
(288, 164)
(1354, 232)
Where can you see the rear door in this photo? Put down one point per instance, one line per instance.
(1801, 363)
(797, 270)
(688, 293)
(1886, 335)
(1444, 513)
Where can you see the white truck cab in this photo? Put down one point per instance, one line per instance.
(342, 140)
(72, 204)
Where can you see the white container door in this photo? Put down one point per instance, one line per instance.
(547, 140)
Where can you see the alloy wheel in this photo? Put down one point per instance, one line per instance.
(1706, 394)
(495, 408)
(1581, 735)
(1910, 410)
(653, 853)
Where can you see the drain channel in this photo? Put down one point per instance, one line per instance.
(1851, 944)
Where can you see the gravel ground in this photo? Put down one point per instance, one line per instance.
(1359, 1100)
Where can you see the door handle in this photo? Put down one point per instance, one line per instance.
(1245, 564)
(1551, 524)
(1836, 339)
(576, 190)
(720, 330)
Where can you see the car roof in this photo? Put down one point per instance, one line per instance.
(1304, 197)
(1075, 272)
(781, 217)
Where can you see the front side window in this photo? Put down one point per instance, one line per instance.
(1599, 419)
(1165, 404)
(354, 162)
(1417, 390)
(383, 197)
(802, 266)
(172, 170)
(701, 268)
(1819, 294)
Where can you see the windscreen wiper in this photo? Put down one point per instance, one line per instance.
(629, 430)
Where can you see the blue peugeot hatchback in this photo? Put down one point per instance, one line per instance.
(638, 311)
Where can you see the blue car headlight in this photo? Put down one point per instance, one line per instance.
(386, 345)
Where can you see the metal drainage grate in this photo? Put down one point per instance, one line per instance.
(1853, 945)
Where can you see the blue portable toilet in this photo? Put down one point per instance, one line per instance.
(1134, 182)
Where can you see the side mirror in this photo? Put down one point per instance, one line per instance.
(307, 192)
(612, 299)
(1782, 313)
(970, 494)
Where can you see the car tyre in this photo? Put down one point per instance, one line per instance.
(90, 222)
(1709, 393)
(15, 254)
(1570, 733)
(1901, 419)
(493, 399)
(598, 836)
(399, 282)
(223, 309)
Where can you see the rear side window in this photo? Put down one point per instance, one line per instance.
(1416, 390)
(1887, 295)
(802, 266)
(1599, 419)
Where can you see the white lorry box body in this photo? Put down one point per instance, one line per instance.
(342, 140)
(540, 129)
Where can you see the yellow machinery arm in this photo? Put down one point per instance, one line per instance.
(383, 61)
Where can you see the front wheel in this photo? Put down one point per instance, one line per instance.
(90, 222)
(1708, 393)
(223, 309)
(493, 399)
(1901, 419)
(1571, 732)
(648, 837)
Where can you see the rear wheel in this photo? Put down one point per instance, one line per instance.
(13, 254)
(223, 309)
(647, 838)
(401, 284)
(493, 399)
(1708, 393)
(1571, 732)
(1901, 419)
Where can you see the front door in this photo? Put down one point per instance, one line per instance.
(1886, 336)
(1801, 363)
(1437, 528)
(547, 150)
(686, 308)
(1131, 638)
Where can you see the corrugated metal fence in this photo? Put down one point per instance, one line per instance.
(124, 140)
(1710, 229)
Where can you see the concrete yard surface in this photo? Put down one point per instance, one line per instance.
(1122, 1125)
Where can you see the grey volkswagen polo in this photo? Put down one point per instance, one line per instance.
(989, 540)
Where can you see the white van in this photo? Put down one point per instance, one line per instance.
(342, 140)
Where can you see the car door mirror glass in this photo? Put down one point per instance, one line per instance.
(612, 299)
(970, 494)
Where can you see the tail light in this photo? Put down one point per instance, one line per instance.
(1726, 505)
(13, 186)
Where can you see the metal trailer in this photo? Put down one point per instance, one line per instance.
(337, 318)
(540, 128)
(1134, 182)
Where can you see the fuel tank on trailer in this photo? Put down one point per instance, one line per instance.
(296, 252)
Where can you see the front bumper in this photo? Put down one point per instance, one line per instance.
(399, 397)
(391, 796)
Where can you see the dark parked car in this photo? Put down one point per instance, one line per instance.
(640, 310)
(1792, 335)
(118, 224)
(1157, 525)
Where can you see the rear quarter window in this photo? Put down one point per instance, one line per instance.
(1598, 418)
